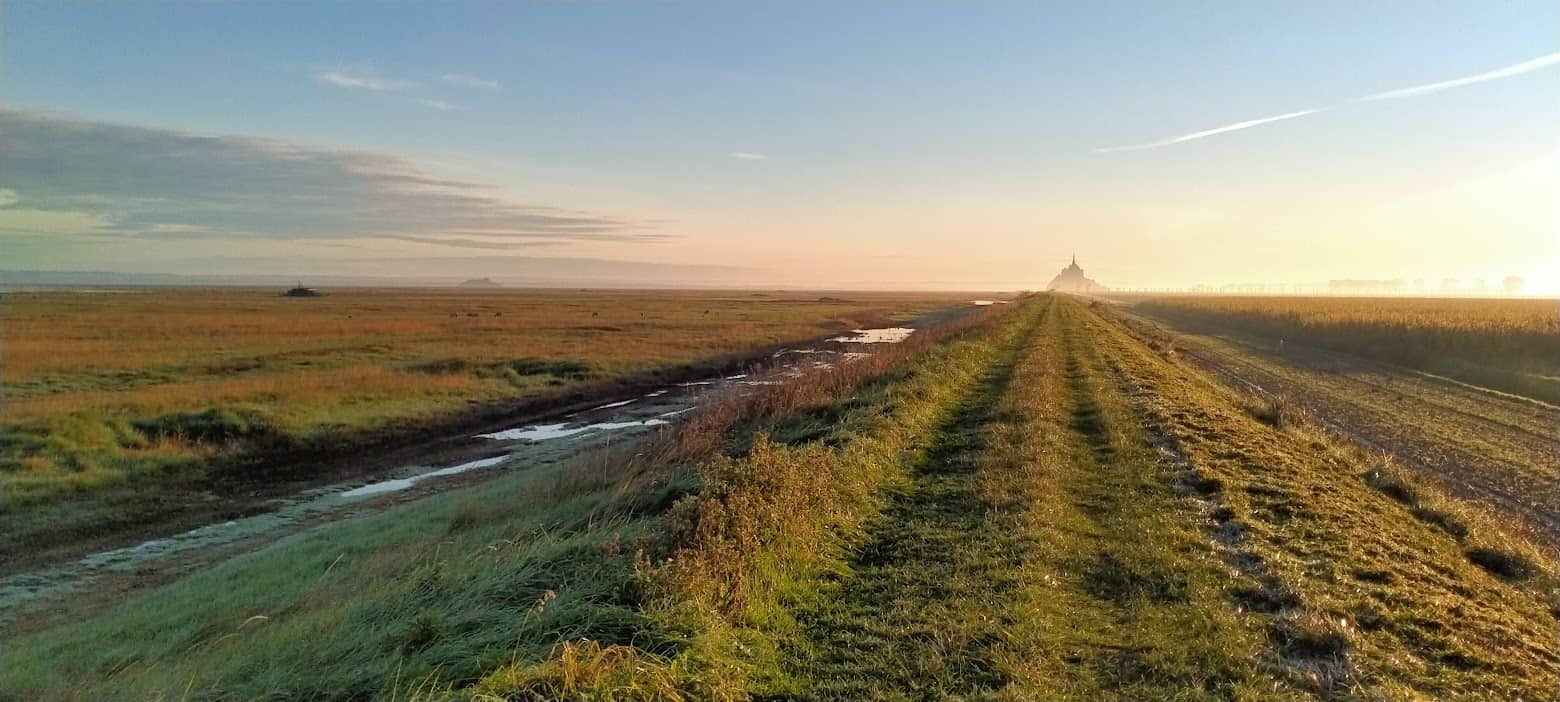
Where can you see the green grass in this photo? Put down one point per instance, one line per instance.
(454, 585)
(1121, 599)
(1042, 508)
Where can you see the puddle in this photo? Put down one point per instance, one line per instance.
(783, 352)
(398, 484)
(543, 432)
(610, 405)
(984, 303)
(886, 335)
(534, 432)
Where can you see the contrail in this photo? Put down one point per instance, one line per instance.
(1210, 132)
(1426, 89)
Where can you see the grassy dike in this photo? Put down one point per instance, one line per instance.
(470, 593)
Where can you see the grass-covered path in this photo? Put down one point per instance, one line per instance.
(909, 613)
(1035, 554)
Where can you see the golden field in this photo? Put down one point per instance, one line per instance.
(1505, 344)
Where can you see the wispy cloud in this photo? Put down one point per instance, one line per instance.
(362, 79)
(77, 178)
(1515, 69)
(1426, 89)
(1210, 132)
(749, 156)
(469, 81)
(437, 105)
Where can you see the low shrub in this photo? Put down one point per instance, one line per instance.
(218, 425)
(1276, 411)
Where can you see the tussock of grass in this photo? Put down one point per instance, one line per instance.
(588, 670)
(1276, 411)
(218, 425)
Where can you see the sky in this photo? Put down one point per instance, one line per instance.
(808, 144)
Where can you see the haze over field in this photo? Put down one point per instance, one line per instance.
(860, 145)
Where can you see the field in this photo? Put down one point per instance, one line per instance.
(129, 409)
(1504, 344)
(1044, 500)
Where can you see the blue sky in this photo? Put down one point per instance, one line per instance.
(938, 144)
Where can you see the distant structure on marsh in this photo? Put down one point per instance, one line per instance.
(1072, 280)
(300, 291)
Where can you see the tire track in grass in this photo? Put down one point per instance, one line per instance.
(914, 617)
(1132, 603)
(1039, 553)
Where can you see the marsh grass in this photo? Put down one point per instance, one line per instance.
(120, 408)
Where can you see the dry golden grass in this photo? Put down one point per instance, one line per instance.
(112, 390)
(167, 350)
(1505, 344)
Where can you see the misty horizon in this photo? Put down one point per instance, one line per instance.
(1510, 286)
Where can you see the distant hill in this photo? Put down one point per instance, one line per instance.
(480, 283)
